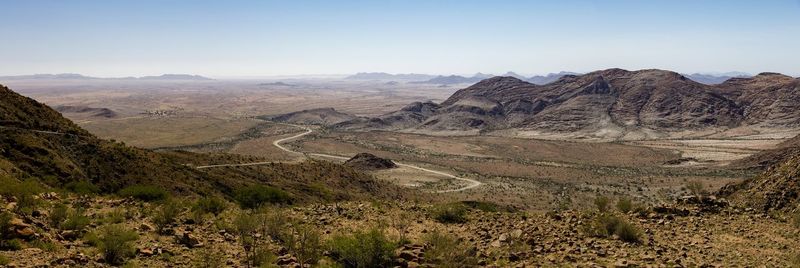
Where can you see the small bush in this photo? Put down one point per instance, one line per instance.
(254, 196)
(304, 242)
(117, 215)
(4, 260)
(481, 205)
(601, 202)
(608, 225)
(82, 187)
(796, 219)
(211, 204)
(58, 214)
(76, 220)
(92, 239)
(624, 205)
(209, 258)
(10, 244)
(450, 213)
(363, 249)
(445, 251)
(145, 193)
(627, 232)
(116, 243)
(24, 192)
(46, 245)
(166, 215)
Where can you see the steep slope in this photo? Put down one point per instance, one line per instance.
(38, 143)
(612, 104)
(765, 159)
(777, 189)
(409, 116)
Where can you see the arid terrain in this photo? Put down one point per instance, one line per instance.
(450, 198)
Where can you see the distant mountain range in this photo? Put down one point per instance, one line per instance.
(71, 76)
(704, 78)
(607, 104)
(387, 76)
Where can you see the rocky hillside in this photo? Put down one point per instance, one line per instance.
(368, 161)
(778, 188)
(37, 143)
(321, 116)
(612, 104)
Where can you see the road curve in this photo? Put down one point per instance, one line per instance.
(277, 143)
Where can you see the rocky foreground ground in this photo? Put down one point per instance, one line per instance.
(411, 235)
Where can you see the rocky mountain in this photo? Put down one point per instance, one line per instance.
(712, 79)
(188, 77)
(408, 117)
(451, 79)
(46, 77)
(71, 76)
(368, 161)
(38, 143)
(611, 103)
(549, 78)
(388, 76)
(320, 116)
(772, 157)
(91, 111)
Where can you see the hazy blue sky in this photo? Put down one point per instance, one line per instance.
(251, 38)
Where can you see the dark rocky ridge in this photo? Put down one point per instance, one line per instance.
(367, 161)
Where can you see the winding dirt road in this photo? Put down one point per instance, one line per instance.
(471, 183)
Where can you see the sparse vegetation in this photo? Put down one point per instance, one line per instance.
(796, 219)
(166, 214)
(449, 213)
(76, 220)
(601, 203)
(254, 196)
(304, 242)
(23, 192)
(605, 225)
(363, 249)
(146, 193)
(82, 187)
(210, 204)
(444, 250)
(624, 205)
(116, 243)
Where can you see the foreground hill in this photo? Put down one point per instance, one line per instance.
(613, 103)
(36, 142)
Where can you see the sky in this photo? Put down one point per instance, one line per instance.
(112, 38)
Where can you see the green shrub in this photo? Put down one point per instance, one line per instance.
(58, 214)
(76, 220)
(4, 260)
(796, 219)
(166, 215)
(145, 193)
(211, 204)
(209, 258)
(445, 251)
(10, 244)
(92, 239)
(624, 205)
(116, 243)
(450, 213)
(601, 202)
(627, 232)
(607, 225)
(117, 215)
(82, 187)
(47, 246)
(363, 249)
(481, 205)
(304, 242)
(254, 196)
(24, 192)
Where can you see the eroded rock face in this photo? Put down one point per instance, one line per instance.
(367, 161)
(613, 99)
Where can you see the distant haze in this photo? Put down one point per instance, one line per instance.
(265, 38)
